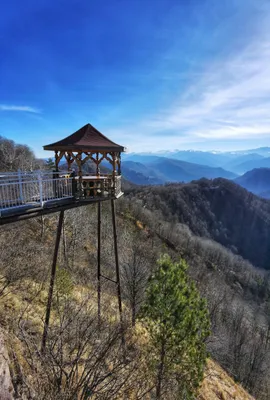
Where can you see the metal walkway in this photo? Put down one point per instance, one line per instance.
(28, 194)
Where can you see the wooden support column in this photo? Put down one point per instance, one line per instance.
(53, 271)
(119, 164)
(114, 172)
(97, 164)
(68, 156)
(79, 163)
(58, 158)
(98, 265)
(56, 161)
(118, 283)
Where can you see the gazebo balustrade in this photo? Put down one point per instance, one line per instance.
(103, 186)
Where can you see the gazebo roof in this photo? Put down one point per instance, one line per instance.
(87, 138)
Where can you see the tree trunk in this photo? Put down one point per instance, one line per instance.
(160, 371)
(133, 314)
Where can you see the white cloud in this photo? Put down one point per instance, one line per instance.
(230, 100)
(235, 99)
(5, 107)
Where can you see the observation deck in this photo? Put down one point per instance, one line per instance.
(44, 191)
(25, 194)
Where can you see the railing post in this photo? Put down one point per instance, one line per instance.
(40, 188)
(55, 184)
(73, 183)
(20, 185)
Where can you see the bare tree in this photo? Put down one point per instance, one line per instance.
(135, 270)
(15, 156)
(82, 360)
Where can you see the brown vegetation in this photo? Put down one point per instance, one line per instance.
(237, 295)
(217, 209)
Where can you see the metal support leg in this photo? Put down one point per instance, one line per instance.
(117, 269)
(53, 271)
(98, 265)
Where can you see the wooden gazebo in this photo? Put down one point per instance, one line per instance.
(88, 144)
(29, 194)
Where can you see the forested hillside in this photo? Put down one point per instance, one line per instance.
(185, 221)
(218, 209)
(135, 219)
(236, 293)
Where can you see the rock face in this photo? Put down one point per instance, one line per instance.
(6, 386)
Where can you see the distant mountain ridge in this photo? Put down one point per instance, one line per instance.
(256, 181)
(143, 170)
(139, 174)
(252, 164)
(244, 163)
(237, 162)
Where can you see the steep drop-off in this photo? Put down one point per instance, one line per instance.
(218, 209)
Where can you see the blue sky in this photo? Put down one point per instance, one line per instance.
(150, 74)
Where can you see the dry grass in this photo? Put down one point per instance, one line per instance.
(218, 385)
(30, 301)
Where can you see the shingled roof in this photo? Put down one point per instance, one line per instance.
(87, 138)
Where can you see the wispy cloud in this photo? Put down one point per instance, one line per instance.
(231, 100)
(5, 107)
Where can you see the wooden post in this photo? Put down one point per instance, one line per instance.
(119, 164)
(117, 271)
(97, 165)
(98, 266)
(114, 173)
(69, 160)
(53, 271)
(79, 163)
(56, 161)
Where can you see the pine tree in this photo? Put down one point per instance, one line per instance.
(50, 164)
(178, 325)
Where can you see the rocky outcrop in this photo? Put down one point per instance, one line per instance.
(6, 386)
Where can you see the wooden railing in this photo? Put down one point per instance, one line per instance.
(98, 186)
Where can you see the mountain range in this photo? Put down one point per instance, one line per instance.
(157, 170)
(248, 168)
(231, 161)
(256, 181)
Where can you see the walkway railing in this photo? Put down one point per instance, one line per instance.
(44, 188)
(33, 188)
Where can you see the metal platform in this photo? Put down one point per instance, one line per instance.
(25, 195)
